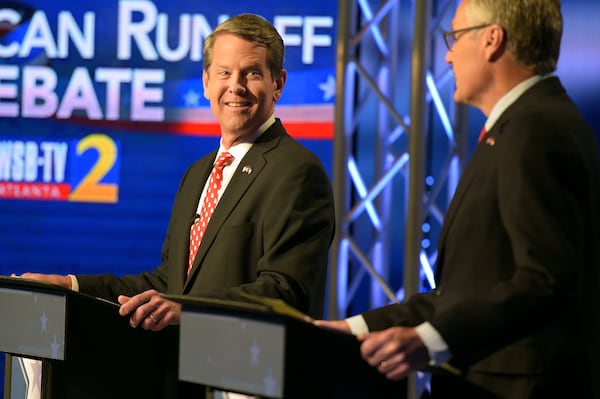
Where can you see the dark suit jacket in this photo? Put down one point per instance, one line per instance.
(269, 235)
(518, 259)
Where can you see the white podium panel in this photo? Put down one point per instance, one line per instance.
(232, 353)
(33, 323)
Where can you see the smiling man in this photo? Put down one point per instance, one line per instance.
(254, 216)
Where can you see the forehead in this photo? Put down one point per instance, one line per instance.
(460, 16)
(230, 47)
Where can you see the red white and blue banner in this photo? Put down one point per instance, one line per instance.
(102, 110)
(132, 67)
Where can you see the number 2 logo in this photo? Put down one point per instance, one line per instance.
(91, 188)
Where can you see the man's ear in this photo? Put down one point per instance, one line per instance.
(279, 85)
(205, 84)
(495, 41)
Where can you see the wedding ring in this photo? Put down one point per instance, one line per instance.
(383, 364)
(153, 318)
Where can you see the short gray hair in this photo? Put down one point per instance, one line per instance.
(533, 29)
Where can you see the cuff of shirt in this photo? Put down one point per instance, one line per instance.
(74, 283)
(436, 346)
(358, 325)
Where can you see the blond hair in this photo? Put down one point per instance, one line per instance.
(253, 28)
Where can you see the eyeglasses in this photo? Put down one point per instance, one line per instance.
(451, 37)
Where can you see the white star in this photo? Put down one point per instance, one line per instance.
(191, 98)
(254, 353)
(270, 383)
(55, 347)
(44, 320)
(328, 88)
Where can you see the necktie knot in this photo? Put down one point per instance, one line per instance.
(224, 159)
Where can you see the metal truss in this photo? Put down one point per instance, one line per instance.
(400, 147)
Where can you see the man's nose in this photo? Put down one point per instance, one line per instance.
(237, 85)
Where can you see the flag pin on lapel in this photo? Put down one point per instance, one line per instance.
(247, 169)
(490, 141)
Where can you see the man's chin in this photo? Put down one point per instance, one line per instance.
(458, 98)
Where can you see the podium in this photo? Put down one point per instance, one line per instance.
(86, 349)
(271, 351)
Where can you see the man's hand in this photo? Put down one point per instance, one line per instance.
(395, 352)
(150, 310)
(56, 279)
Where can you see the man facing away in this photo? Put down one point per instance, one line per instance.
(515, 313)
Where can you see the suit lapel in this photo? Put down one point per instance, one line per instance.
(480, 162)
(189, 195)
(240, 182)
(548, 86)
(463, 186)
(545, 87)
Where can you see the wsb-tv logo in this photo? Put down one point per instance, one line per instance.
(84, 170)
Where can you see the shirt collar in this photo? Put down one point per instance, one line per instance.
(510, 98)
(240, 149)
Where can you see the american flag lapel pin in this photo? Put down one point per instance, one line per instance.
(490, 141)
(247, 169)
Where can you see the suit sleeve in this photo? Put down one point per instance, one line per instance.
(541, 201)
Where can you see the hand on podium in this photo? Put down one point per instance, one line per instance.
(150, 310)
(56, 279)
(394, 352)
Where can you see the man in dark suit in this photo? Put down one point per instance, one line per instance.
(516, 309)
(271, 230)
